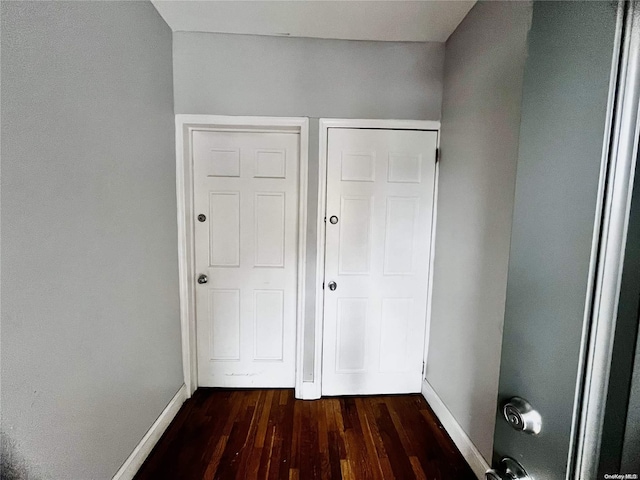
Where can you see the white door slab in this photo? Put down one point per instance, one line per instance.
(246, 185)
(380, 190)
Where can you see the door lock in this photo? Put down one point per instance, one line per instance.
(202, 217)
(202, 279)
(521, 416)
(508, 469)
(332, 285)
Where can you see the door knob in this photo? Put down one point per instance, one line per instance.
(521, 416)
(492, 475)
(333, 285)
(202, 279)
(508, 469)
(333, 219)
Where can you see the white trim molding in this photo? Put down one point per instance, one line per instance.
(185, 125)
(381, 124)
(432, 256)
(132, 464)
(315, 388)
(468, 450)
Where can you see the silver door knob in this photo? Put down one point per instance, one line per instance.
(521, 416)
(492, 475)
(508, 469)
(333, 220)
(202, 279)
(333, 286)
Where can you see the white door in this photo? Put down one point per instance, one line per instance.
(380, 195)
(246, 185)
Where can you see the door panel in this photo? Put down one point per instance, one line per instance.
(354, 247)
(247, 186)
(380, 189)
(564, 117)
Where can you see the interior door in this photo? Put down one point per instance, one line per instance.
(380, 187)
(562, 133)
(246, 202)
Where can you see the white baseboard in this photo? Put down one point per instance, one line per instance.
(309, 391)
(468, 450)
(130, 467)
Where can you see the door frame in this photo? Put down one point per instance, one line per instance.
(185, 125)
(618, 169)
(313, 389)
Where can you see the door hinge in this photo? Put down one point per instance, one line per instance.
(423, 366)
(437, 155)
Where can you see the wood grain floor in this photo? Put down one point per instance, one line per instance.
(267, 434)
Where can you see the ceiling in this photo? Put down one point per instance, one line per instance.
(399, 20)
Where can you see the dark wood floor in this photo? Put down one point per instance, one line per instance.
(267, 434)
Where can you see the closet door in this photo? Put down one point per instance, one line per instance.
(246, 200)
(379, 210)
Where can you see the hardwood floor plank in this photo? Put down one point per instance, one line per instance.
(247, 452)
(345, 467)
(309, 464)
(376, 467)
(275, 460)
(417, 468)
(214, 462)
(215, 433)
(398, 456)
(391, 404)
(334, 456)
(295, 438)
(227, 434)
(349, 413)
(230, 461)
(267, 452)
(236, 404)
(264, 420)
(323, 440)
(337, 416)
(285, 425)
(359, 460)
(381, 453)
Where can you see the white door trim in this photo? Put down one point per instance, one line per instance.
(185, 125)
(314, 389)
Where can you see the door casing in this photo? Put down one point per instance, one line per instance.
(614, 208)
(313, 389)
(185, 125)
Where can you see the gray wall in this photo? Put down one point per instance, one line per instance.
(221, 74)
(480, 123)
(257, 75)
(90, 320)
